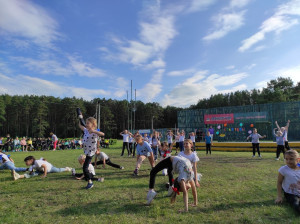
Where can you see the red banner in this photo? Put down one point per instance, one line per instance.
(218, 119)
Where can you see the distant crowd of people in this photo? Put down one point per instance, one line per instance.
(42, 144)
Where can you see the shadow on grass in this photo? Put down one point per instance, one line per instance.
(101, 207)
(228, 206)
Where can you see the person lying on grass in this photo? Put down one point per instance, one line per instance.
(104, 159)
(183, 168)
(37, 167)
(6, 162)
(80, 176)
(289, 180)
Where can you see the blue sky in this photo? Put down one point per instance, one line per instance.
(176, 52)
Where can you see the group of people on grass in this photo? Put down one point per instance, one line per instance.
(184, 164)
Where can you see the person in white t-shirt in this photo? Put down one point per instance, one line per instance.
(104, 159)
(143, 151)
(192, 157)
(125, 134)
(80, 176)
(289, 180)
(37, 167)
(6, 162)
(170, 137)
(193, 138)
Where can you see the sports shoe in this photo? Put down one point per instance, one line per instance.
(122, 167)
(170, 191)
(15, 175)
(260, 156)
(89, 186)
(277, 158)
(135, 172)
(101, 179)
(73, 172)
(150, 196)
(68, 169)
(253, 156)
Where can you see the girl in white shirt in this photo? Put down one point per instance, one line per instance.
(289, 180)
(39, 166)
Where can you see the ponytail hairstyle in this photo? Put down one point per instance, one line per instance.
(176, 190)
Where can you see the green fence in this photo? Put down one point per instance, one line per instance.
(234, 123)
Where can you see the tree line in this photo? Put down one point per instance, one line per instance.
(37, 116)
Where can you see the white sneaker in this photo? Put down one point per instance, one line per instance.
(15, 175)
(277, 158)
(101, 179)
(73, 172)
(68, 169)
(253, 156)
(122, 167)
(150, 196)
(170, 191)
(260, 156)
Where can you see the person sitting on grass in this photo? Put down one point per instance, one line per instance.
(37, 167)
(80, 176)
(289, 180)
(183, 168)
(104, 159)
(143, 150)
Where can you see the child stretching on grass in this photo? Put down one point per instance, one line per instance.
(192, 157)
(183, 168)
(41, 166)
(280, 142)
(255, 141)
(6, 162)
(184, 186)
(80, 176)
(90, 139)
(289, 180)
(143, 150)
(104, 159)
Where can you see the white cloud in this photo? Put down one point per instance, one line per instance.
(153, 88)
(250, 66)
(199, 5)
(156, 32)
(159, 63)
(31, 85)
(85, 69)
(225, 23)
(200, 86)
(238, 3)
(292, 72)
(282, 19)
(181, 72)
(53, 67)
(24, 19)
(230, 67)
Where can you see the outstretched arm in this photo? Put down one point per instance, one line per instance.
(276, 123)
(80, 126)
(287, 125)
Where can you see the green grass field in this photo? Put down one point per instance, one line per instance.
(234, 189)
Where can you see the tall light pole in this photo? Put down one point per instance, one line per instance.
(152, 122)
(99, 114)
